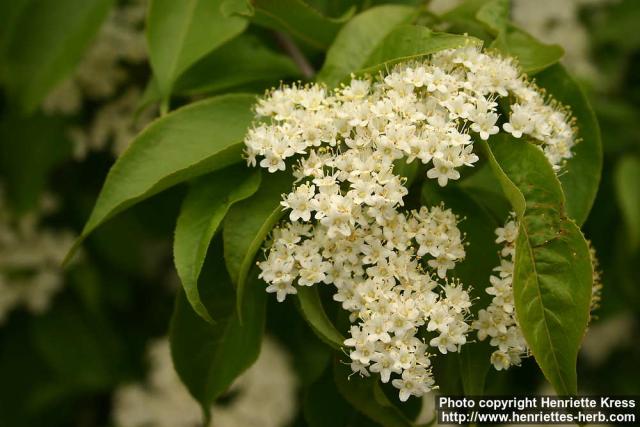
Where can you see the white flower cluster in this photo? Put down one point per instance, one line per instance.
(379, 279)
(498, 321)
(104, 75)
(424, 110)
(596, 287)
(266, 395)
(346, 228)
(30, 261)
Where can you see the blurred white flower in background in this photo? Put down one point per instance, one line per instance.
(442, 6)
(266, 393)
(263, 396)
(162, 401)
(120, 42)
(606, 336)
(558, 22)
(115, 122)
(30, 259)
(105, 76)
(553, 22)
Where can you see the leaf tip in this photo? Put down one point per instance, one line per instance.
(73, 251)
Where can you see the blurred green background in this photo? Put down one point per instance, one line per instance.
(69, 339)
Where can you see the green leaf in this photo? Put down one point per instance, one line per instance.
(203, 210)
(483, 187)
(181, 32)
(10, 12)
(299, 19)
(618, 116)
(552, 272)
(48, 41)
(357, 40)
(23, 370)
(474, 366)
(366, 396)
(80, 348)
(321, 395)
(408, 42)
(191, 141)
(627, 177)
(40, 144)
(247, 225)
(313, 312)
(208, 358)
(236, 7)
(580, 177)
(409, 171)
(309, 355)
(243, 60)
(495, 15)
(532, 55)
(617, 27)
(463, 19)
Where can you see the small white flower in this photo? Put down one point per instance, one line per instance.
(519, 122)
(408, 386)
(485, 125)
(443, 172)
(500, 360)
(282, 289)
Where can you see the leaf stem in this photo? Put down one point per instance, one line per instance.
(164, 106)
(291, 48)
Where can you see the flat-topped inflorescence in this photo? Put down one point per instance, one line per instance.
(347, 223)
(420, 110)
